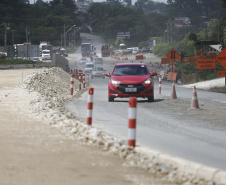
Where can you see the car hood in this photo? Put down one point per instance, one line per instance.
(130, 79)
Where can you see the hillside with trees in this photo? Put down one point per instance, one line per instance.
(145, 20)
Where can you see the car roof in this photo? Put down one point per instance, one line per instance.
(89, 63)
(122, 64)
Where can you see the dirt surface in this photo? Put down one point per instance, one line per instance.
(33, 152)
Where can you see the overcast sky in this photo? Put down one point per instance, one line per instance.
(133, 1)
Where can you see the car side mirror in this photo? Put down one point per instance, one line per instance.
(108, 74)
(153, 74)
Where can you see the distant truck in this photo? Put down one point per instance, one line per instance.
(46, 54)
(105, 51)
(45, 45)
(86, 49)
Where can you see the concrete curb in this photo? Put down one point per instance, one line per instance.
(188, 169)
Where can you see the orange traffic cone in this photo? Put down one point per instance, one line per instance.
(173, 92)
(194, 101)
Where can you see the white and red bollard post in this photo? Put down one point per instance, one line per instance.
(160, 82)
(84, 80)
(90, 105)
(132, 121)
(80, 79)
(87, 79)
(72, 84)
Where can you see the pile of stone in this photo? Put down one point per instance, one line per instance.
(50, 88)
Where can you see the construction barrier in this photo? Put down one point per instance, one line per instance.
(194, 101)
(72, 84)
(132, 121)
(160, 82)
(90, 105)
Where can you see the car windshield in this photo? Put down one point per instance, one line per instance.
(90, 66)
(130, 70)
(98, 69)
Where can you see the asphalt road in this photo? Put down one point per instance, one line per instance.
(166, 125)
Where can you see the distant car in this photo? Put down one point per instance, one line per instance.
(89, 67)
(131, 80)
(36, 59)
(118, 51)
(83, 61)
(65, 55)
(3, 54)
(129, 50)
(95, 56)
(98, 72)
(145, 50)
(98, 61)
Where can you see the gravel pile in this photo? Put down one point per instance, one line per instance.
(50, 88)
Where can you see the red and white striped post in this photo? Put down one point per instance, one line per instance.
(90, 105)
(83, 80)
(87, 79)
(79, 78)
(160, 82)
(72, 84)
(132, 121)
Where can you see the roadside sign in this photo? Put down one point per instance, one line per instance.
(221, 73)
(172, 76)
(139, 57)
(172, 55)
(221, 58)
(164, 60)
(206, 64)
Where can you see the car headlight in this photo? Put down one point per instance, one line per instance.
(148, 81)
(114, 82)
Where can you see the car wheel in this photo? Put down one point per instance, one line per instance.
(110, 99)
(151, 99)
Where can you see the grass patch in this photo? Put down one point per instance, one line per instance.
(16, 61)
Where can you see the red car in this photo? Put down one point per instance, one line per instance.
(131, 80)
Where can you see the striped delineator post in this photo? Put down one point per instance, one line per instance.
(90, 105)
(160, 82)
(132, 121)
(87, 79)
(84, 80)
(79, 78)
(71, 84)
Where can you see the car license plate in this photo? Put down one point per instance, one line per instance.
(131, 89)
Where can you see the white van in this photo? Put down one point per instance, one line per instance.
(135, 50)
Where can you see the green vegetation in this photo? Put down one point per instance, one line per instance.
(189, 69)
(16, 61)
(145, 20)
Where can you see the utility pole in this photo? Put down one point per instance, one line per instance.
(13, 36)
(167, 32)
(218, 36)
(74, 35)
(171, 31)
(5, 39)
(64, 37)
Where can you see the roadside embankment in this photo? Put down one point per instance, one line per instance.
(53, 87)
